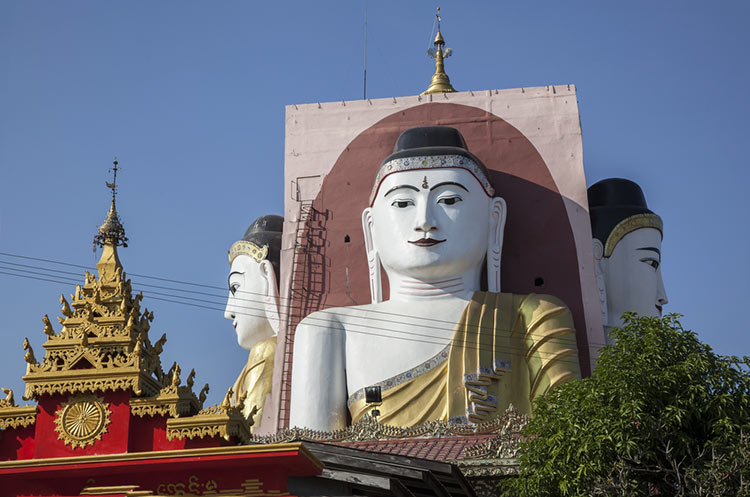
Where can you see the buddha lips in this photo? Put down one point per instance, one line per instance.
(426, 242)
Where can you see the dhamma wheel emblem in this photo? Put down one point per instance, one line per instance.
(82, 420)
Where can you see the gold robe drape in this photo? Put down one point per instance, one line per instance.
(507, 349)
(255, 378)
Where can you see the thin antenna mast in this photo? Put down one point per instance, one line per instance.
(364, 90)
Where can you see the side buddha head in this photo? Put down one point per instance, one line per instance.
(627, 238)
(252, 304)
(433, 214)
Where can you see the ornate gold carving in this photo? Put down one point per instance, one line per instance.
(497, 456)
(223, 420)
(368, 428)
(48, 330)
(247, 248)
(171, 401)
(104, 342)
(14, 416)
(104, 345)
(29, 355)
(82, 420)
(9, 400)
(629, 224)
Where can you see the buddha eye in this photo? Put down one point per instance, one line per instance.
(450, 200)
(651, 262)
(233, 288)
(402, 204)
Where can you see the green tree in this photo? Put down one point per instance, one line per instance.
(661, 415)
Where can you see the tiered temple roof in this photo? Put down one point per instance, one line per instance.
(104, 347)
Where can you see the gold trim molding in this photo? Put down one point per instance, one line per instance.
(164, 454)
(13, 415)
(628, 225)
(17, 416)
(244, 247)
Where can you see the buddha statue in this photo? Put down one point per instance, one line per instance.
(253, 307)
(627, 240)
(438, 347)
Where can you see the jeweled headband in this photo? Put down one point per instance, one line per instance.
(243, 247)
(629, 225)
(431, 162)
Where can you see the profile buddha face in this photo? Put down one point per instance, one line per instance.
(252, 304)
(627, 250)
(633, 274)
(432, 213)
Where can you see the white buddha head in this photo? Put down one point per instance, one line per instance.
(432, 213)
(627, 239)
(253, 302)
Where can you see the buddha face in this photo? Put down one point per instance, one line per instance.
(632, 276)
(431, 223)
(247, 304)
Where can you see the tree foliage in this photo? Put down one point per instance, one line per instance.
(661, 415)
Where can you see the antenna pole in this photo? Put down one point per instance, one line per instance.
(364, 90)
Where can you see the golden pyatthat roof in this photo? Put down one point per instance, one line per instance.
(104, 345)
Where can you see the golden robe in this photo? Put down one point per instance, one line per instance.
(507, 349)
(255, 378)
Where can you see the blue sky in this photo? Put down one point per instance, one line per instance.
(190, 96)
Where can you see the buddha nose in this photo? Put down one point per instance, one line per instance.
(228, 314)
(661, 292)
(425, 221)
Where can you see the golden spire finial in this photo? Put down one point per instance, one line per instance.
(111, 232)
(440, 82)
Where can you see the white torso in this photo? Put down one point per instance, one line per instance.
(386, 339)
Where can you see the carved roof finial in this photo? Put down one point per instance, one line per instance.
(111, 232)
(440, 82)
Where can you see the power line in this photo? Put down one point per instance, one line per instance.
(430, 339)
(324, 309)
(261, 303)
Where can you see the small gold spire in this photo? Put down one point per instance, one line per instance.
(111, 232)
(440, 82)
(110, 235)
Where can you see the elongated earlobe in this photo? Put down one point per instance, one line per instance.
(498, 214)
(601, 287)
(271, 295)
(373, 261)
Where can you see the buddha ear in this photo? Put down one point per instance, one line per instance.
(498, 215)
(270, 294)
(373, 261)
(599, 267)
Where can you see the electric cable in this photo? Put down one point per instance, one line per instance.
(430, 339)
(323, 309)
(260, 302)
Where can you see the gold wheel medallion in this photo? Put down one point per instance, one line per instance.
(82, 420)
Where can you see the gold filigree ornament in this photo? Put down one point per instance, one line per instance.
(244, 247)
(82, 420)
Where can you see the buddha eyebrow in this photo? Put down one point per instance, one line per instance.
(653, 249)
(229, 278)
(399, 187)
(453, 183)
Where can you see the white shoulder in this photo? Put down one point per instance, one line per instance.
(335, 318)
